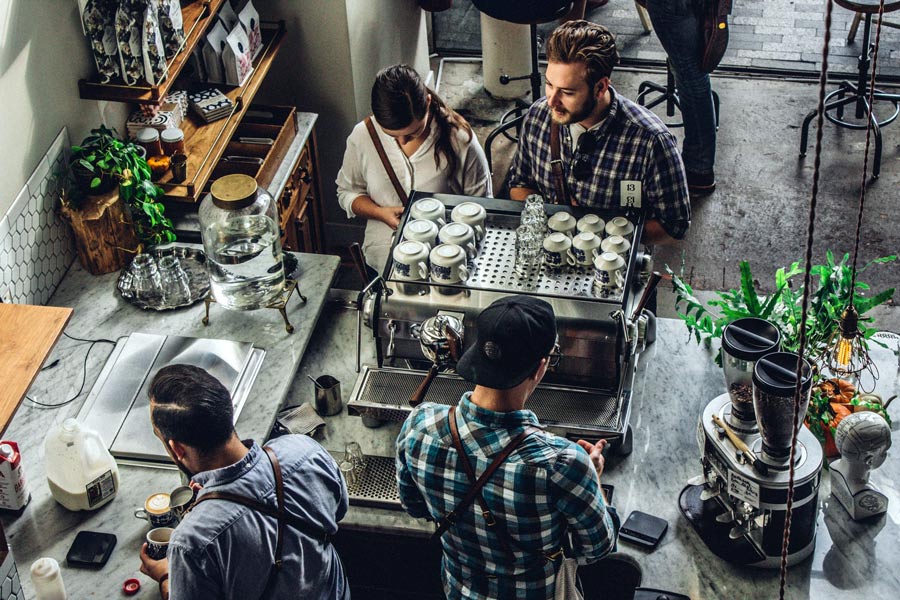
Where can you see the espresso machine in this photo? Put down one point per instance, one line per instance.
(588, 394)
(738, 504)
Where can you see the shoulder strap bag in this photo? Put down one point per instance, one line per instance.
(559, 178)
(370, 126)
(714, 21)
(280, 514)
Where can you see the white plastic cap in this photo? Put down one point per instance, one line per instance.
(6, 450)
(44, 568)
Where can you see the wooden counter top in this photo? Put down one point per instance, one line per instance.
(27, 335)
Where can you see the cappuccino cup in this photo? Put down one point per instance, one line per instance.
(430, 209)
(617, 244)
(473, 215)
(156, 511)
(460, 234)
(585, 248)
(158, 542)
(562, 222)
(620, 226)
(411, 261)
(609, 274)
(448, 264)
(421, 230)
(556, 250)
(592, 223)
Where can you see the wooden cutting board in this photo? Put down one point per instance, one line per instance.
(27, 335)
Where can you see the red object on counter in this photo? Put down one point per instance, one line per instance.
(131, 587)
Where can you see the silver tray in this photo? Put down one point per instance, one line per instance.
(192, 260)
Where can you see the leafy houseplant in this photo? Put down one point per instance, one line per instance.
(783, 308)
(102, 157)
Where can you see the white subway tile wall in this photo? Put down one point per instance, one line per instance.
(36, 245)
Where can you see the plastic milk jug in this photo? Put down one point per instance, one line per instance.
(80, 470)
(14, 493)
(47, 580)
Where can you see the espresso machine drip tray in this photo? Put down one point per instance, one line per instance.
(118, 407)
(576, 413)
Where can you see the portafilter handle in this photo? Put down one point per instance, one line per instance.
(420, 392)
(645, 297)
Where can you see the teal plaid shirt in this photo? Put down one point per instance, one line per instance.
(546, 485)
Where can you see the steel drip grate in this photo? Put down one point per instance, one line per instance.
(384, 394)
(377, 484)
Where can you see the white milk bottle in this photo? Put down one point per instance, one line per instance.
(80, 470)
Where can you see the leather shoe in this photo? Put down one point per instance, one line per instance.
(701, 184)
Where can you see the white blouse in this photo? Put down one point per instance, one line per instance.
(363, 174)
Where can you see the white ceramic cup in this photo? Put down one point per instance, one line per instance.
(591, 222)
(585, 248)
(562, 222)
(411, 261)
(158, 542)
(617, 244)
(430, 209)
(556, 250)
(460, 234)
(609, 273)
(473, 215)
(448, 264)
(620, 226)
(421, 230)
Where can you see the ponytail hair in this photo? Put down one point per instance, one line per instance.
(399, 96)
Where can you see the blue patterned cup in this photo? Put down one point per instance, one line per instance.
(158, 542)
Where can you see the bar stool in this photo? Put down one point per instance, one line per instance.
(857, 92)
(531, 13)
(668, 94)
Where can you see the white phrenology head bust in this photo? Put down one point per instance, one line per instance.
(863, 437)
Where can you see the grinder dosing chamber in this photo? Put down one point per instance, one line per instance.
(745, 341)
(774, 385)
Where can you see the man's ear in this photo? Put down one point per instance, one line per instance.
(541, 370)
(601, 87)
(178, 449)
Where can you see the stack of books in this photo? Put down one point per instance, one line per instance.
(211, 105)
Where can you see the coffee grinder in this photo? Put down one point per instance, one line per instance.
(738, 505)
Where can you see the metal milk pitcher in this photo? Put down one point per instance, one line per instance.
(328, 395)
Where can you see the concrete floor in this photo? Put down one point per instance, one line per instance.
(760, 210)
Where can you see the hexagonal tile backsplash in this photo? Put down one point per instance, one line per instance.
(36, 245)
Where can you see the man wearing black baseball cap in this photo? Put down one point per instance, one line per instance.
(501, 538)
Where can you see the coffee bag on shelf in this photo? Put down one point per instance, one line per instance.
(249, 20)
(213, 46)
(99, 21)
(237, 60)
(152, 50)
(171, 26)
(128, 39)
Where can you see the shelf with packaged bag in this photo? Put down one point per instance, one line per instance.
(198, 16)
(206, 142)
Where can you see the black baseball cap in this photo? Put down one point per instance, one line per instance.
(513, 334)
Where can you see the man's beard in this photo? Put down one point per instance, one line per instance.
(568, 118)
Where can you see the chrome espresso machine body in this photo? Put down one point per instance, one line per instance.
(587, 396)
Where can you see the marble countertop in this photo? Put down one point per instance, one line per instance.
(676, 379)
(45, 528)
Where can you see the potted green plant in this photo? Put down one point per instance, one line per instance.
(705, 322)
(97, 162)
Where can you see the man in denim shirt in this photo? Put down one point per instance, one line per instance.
(223, 549)
(546, 487)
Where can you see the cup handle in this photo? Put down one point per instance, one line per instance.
(463, 273)
(471, 249)
(141, 514)
(423, 271)
(570, 258)
(479, 231)
(620, 279)
(441, 222)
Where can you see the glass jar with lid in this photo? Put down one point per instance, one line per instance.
(241, 237)
(148, 139)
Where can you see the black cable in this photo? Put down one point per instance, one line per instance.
(83, 372)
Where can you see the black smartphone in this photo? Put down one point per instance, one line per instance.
(90, 549)
(643, 529)
(608, 489)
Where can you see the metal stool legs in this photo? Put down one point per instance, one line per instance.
(669, 95)
(857, 93)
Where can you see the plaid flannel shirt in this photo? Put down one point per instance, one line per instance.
(547, 484)
(632, 144)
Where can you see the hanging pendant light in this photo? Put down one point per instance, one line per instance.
(847, 353)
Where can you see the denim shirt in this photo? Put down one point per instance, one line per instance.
(226, 550)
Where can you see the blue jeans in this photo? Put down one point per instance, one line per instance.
(679, 31)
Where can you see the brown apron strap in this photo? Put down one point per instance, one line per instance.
(279, 495)
(559, 178)
(475, 491)
(370, 125)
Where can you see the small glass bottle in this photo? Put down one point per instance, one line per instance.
(172, 141)
(145, 278)
(47, 580)
(242, 240)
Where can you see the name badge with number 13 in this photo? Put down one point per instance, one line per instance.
(630, 193)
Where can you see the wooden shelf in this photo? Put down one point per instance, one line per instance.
(197, 16)
(204, 143)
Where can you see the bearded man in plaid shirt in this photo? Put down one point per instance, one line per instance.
(607, 143)
(546, 488)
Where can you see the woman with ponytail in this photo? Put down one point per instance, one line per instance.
(428, 146)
